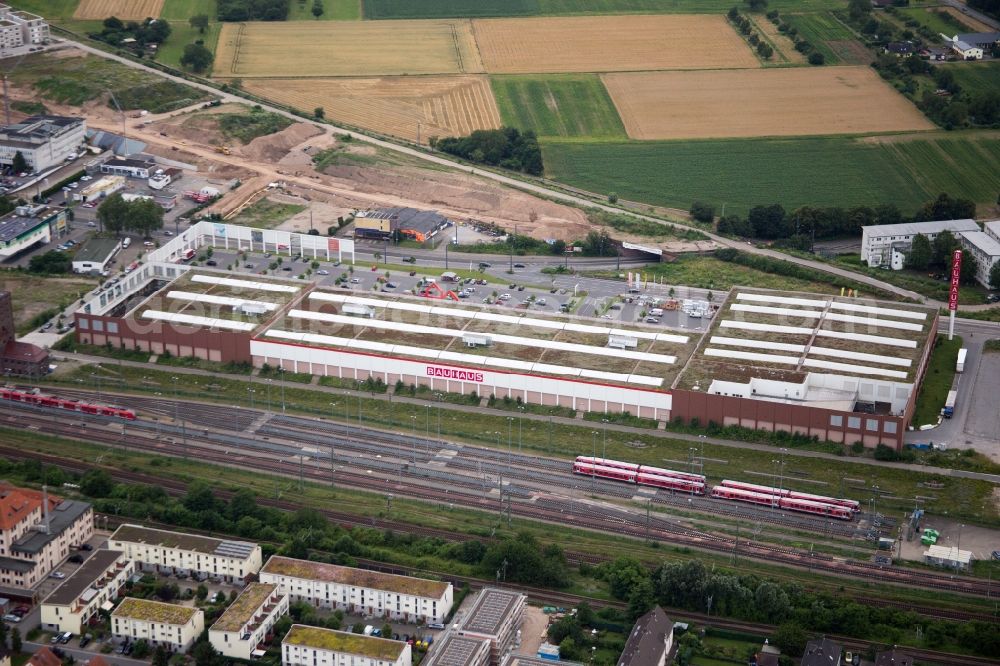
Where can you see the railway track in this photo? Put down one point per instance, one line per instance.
(588, 515)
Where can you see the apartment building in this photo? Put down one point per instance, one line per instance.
(359, 590)
(242, 630)
(91, 588)
(312, 646)
(984, 246)
(173, 626)
(37, 532)
(19, 28)
(495, 616)
(887, 244)
(43, 141)
(451, 649)
(198, 556)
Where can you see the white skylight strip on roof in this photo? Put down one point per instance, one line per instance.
(784, 300)
(853, 369)
(331, 340)
(861, 356)
(751, 356)
(645, 381)
(772, 328)
(416, 351)
(556, 369)
(764, 309)
(194, 320)
(454, 312)
(372, 323)
(638, 335)
(585, 328)
(333, 298)
(606, 376)
(245, 284)
(219, 300)
(509, 363)
(544, 323)
(585, 349)
(670, 337)
(760, 344)
(872, 321)
(499, 318)
(462, 358)
(862, 337)
(888, 312)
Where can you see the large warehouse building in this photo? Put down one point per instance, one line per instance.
(839, 369)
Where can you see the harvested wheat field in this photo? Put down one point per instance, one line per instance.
(441, 105)
(764, 102)
(609, 44)
(129, 10)
(350, 48)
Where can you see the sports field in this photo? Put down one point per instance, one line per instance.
(441, 105)
(396, 9)
(568, 105)
(123, 9)
(743, 173)
(333, 48)
(764, 102)
(609, 44)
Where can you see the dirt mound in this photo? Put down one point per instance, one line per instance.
(273, 147)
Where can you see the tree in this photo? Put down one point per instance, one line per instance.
(145, 216)
(946, 208)
(197, 57)
(764, 50)
(19, 164)
(49, 263)
(160, 656)
(920, 255)
(558, 246)
(995, 276)
(702, 212)
(140, 649)
(199, 497)
(944, 245)
(319, 112)
(317, 8)
(387, 630)
(816, 58)
(859, 9)
(204, 654)
(968, 270)
(201, 593)
(757, 5)
(3, 633)
(15, 640)
(622, 575)
(113, 23)
(97, 483)
(112, 214)
(199, 21)
(791, 639)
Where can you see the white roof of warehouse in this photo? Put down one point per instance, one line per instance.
(983, 242)
(912, 228)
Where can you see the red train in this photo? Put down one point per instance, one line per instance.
(42, 400)
(793, 494)
(638, 474)
(790, 503)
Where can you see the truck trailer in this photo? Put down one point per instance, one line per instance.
(949, 404)
(960, 364)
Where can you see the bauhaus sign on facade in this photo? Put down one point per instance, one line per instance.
(454, 373)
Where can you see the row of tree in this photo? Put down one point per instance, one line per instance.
(142, 216)
(925, 254)
(508, 148)
(799, 227)
(252, 10)
(114, 31)
(745, 26)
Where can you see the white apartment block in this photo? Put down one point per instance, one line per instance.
(43, 141)
(359, 590)
(495, 616)
(34, 541)
(241, 631)
(19, 28)
(198, 556)
(887, 244)
(985, 247)
(173, 626)
(91, 588)
(312, 646)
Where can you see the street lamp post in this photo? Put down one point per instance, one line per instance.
(413, 442)
(593, 468)
(604, 455)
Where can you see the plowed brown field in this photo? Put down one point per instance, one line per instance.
(349, 48)
(442, 105)
(609, 44)
(130, 10)
(764, 102)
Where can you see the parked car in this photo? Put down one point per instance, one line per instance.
(149, 244)
(58, 575)
(435, 625)
(518, 265)
(76, 558)
(10, 617)
(211, 262)
(86, 546)
(85, 640)
(322, 272)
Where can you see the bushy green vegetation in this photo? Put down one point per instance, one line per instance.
(31, 108)
(172, 50)
(267, 214)
(252, 10)
(245, 127)
(834, 171)
(575, 105)
(937, 20)
(333, 10)
(384, 9)
(507, 148)
(938, 380)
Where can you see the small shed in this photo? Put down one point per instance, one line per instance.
(948, 556)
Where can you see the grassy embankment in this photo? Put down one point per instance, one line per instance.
(938, 381)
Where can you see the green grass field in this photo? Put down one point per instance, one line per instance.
(574, 105)
(938, 23)
(333, 10)
(51, 9)
(818, 29)
(394, 9)
(836, 171)
(979, 76)
(182, 10)
(183, 34)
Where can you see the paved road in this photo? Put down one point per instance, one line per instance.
(548, 191)
(964, 8)
(82, 656)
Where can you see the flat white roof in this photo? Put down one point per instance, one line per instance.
(757, 344)
(949, 553)
(854, 369)
(752, 356)
(874, 322)
(863, 337)
(219, 300)
(753, 326)
(861, 356)
(983, 242)
(781, 300)
(912, 228)
(766, 309)
(244, 284)
(193, 320)
(871, 309)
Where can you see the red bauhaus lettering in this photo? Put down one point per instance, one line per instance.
(454, 373)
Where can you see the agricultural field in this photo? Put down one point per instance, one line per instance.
(832, 171)
(134, 10)
(784, 48)
(830, 37)
(765, 102)
(333, 10)
(983, 75)
(439, 105)
(53, 10)
(182, 10)
(938, 20)
(568, 105)
(398, 9)
(608, 44)
(330, 48)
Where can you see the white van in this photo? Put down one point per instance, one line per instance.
(126, 242)
(369, 629)
(656, 312)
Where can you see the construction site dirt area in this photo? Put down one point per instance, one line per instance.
(610, 44)
(765, 102)
(413, 108)
(127, 10)
(354, 48)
